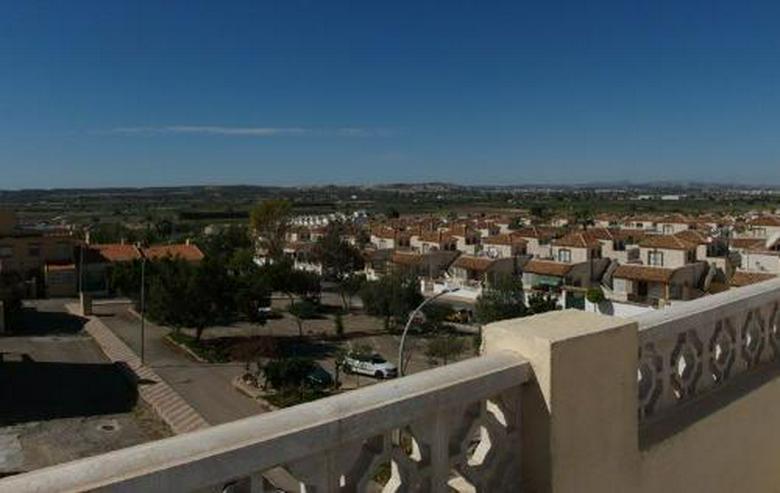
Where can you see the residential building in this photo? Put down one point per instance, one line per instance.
(431, 241)
(28, 251)
(576, 247)
(657, 286)
(504, 245)
(765, 226)
(467, 239)
(666, 251)
(538, 240)
(471, 274)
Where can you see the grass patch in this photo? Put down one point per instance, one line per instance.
(293, 397)
(213, 351)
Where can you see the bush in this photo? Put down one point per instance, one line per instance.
(211, 351)
(338, 325)
(595, 295)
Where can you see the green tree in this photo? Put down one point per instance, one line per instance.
(444, 348)
(226, 242)
(583, 217)
(542, 302)
(350, 287)
(338, 325)
(501, 300)
(209, 300)
(302, 310)
(392, 297)
(288, 373)
(437, 315)
(595, 295)
(270, 220)
(168, 298)
(340, 259)
(292, 282)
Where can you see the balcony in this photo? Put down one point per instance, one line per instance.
(687, 399)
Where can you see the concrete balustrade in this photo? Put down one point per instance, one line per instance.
(556, 403)
(429, 428)
(694, 349)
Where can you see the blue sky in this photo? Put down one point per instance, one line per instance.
(143, 93)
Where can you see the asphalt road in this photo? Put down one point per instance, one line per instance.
(206, 387)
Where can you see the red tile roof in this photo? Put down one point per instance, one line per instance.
(504, 239)
(741, 278)
(693, 236)
(582, 239)
(117, 252)
(669, 242)
(644, 273)
(547, 268)
(766, 221)
(747, 243)
(470, 262)
(406, 258)
(190, 253)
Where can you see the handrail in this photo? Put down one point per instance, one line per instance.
(252, 445)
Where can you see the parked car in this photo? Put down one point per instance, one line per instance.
(319, 377)
(372, 365)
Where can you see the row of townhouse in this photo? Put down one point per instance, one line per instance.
(637, 261)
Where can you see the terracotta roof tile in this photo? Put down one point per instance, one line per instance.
(741, 278)
(644, 273)
(406, 258)
(693, 236)
(765, 221)
(470, 262)
(582, 239)
(747, 243)
(547, 268)
(670, 242)
(117, 252)
(190, 253)
(504, 239)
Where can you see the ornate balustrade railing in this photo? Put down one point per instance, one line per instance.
(453, 427)
(694, 348)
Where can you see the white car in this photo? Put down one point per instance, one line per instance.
(373, 365)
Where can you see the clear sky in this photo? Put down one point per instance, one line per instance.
(141, 93)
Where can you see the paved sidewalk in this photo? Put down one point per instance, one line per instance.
(207, 387)
(166, 402)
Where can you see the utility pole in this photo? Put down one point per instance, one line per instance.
(143, 307)
(81, 269)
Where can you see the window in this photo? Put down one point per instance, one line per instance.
(6, 251)
(655, 259)
(668, 229)
(564, 255)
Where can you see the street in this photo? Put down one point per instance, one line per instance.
(206, 387)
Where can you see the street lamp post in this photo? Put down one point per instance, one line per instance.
(409, 324)
(143, 307)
